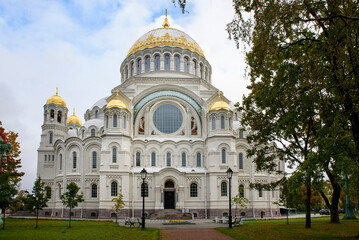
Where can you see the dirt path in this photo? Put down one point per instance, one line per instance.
(196, 234)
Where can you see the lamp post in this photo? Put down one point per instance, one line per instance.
(143, 176)
(229, 175)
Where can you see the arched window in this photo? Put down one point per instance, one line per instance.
(126, 73)
(206, 74)
(59, 191)
(138, 159)
(177, 63)
(240, 160)
(94, 191)
(194, 67)
(260, 192)
(132, 69)
(59, 115)
(114, 155)
(96, 114)
(168, 159)
(94, 159)
(52, 115)
(278, 166)
(157, 62)
(224, 157)
(240, 134)
(241, 190)
(153, 159)
(224, 189)
(74, 159)
(222, 122)
(167, 62)
(106, 121)
(199, 159)
(184, 157)
(50, 138)
(113, 189)
(139, 66)
(60, 161)
(83, 134)
(147, 64)
(88, 116)
(124, 122)
(144, 190)
(93, 132)
(186, 65)
(48, 192)
(193, 190)
(273, 193)
(213, 123)
(114, 120)
(201, 70)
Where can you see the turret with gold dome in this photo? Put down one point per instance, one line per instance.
(56, 99)
(219, 104)
(74, 121)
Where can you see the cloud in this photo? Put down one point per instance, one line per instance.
(79, 46)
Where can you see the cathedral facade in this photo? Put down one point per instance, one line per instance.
(165, 117)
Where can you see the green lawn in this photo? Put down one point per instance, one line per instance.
(57, 229)
(278, 229)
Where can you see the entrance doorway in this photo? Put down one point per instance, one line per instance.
(169, 195)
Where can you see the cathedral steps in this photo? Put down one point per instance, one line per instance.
(170, 214)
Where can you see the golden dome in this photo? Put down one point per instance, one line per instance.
(56, 99)
(116, 102)
(219, 104)
(166, 37)
(74, 119)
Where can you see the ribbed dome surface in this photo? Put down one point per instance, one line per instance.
(166, 37)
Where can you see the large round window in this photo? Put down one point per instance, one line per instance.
(167, 118)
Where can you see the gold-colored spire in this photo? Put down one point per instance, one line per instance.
(74, 112)
(219, 95)
(166, 23)
(57, 91)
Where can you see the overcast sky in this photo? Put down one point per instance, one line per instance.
(78, 46)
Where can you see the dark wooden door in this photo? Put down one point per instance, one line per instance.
(169, 199)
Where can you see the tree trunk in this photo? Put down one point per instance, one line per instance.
(308, 223)
(334, 215)
(70, 218)
(3, 224)
(37, 216)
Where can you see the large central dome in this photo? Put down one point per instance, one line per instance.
(166, 37)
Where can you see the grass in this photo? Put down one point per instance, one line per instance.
(58, 229)
(278, 229)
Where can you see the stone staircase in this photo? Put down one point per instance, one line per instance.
(170, 214)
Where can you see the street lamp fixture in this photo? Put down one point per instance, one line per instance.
(143, 176)
(229, 175)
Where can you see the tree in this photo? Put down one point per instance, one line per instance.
(71, 199)
(304, 74)
(19, 203)
(239, 200)
(9, 164)
(119, 204)
(38, 199)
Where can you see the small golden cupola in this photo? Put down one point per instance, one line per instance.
(56, 99)
(74, 120)
(166, 23)
(219, 104)
(116, 102)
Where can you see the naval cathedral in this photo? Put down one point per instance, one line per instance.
(165, 117)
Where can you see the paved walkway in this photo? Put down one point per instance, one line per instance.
(188, 234)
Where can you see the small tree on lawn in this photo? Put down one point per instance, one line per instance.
(119, 204)
(239, 200)
(38, 199)
(71, 199)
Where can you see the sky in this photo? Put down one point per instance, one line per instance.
(78, 46)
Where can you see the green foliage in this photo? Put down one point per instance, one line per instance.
(239, 200)
(303, 66)
(38, 199)
(119, 203)
(71, 198)
(9, 165)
